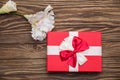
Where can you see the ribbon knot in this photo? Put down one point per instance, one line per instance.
(78, 45)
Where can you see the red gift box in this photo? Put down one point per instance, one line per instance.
(93, 54)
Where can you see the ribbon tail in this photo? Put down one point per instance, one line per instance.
(81, 58)
(72, 61)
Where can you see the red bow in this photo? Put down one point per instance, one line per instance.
(79, 45)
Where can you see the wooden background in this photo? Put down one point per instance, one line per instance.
(22, 58)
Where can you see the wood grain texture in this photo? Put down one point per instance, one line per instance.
(22, 58)
(23, 35)
(35, 51)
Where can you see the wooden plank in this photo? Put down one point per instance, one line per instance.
(75, 13)
(11, 68)
(13, 51)
(23, 35)
(63, 76)
(18, 51)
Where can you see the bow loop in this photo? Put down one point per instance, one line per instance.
(79, 44)
(65, 54)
